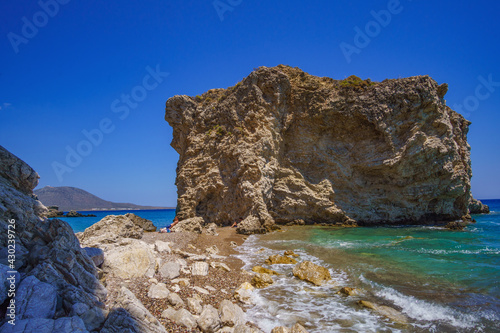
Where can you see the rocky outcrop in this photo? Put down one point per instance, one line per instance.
(56, 275)
(283, 145)
(477, 207)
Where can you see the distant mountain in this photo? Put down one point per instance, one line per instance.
(72, 198)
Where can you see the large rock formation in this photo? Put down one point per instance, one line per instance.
(283, 145)
(56, 287)
(56, 276)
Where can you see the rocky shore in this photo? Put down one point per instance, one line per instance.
(117, 276)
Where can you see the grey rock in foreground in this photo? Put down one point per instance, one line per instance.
(283, 145)
(55, 273)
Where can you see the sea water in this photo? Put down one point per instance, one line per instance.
(160, 217)
(441, 280)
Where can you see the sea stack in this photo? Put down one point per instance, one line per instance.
(283, 145)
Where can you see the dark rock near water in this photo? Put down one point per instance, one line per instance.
(477, 207)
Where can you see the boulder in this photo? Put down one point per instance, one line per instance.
(456, 225)
(199, 268)
(277, 259)
(311, 272)
(194, 305)
(96, 254)
(169, 313)
(175, 300)
(209, 321)
(39, 325)
(184, 318)
(161, 246)
(231, 314)
(244, 293)
(262, 280)
(110, 229)
(158, 291)
(194, 224)
(129, 315)
(386, 311)
(128, 259)
(144, 224)
(290, 253)
(170, 270)
(92, 318)
(250, 225)
(35, 299)
(260, 269)
(348, 291)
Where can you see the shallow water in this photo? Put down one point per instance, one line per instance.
(443, 281)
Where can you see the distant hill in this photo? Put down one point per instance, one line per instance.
(72, 198)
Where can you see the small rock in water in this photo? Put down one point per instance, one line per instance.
(277, 259)
(311, 272)
(348, 291)
(262, 280)
(290, 253)
(260, 269)
(386, 311)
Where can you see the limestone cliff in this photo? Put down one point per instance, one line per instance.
(283, 145)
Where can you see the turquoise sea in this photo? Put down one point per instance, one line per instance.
(160, 217)
(443, 281)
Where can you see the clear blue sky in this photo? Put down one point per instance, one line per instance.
(70, 73)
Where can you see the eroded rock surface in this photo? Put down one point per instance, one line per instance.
(283, 145)
(56, 275)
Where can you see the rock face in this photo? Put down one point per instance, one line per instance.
(283, 145)
(56, 275)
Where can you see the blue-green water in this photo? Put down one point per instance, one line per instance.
(160, 217)
(443, 281)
